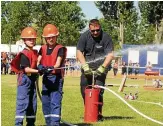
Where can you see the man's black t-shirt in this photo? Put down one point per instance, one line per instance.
(95, 49)
(86, 42)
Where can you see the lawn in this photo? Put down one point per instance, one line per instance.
(115, 112)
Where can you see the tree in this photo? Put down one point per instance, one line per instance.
(15, 16)
(159, 35)
(152, 11)
(67, 16)
(151, 16)
(112, 30)
(122, 20)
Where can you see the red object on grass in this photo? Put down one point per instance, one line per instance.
(91, 104)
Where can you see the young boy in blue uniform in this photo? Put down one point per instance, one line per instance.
(51, 57)
(25, 64)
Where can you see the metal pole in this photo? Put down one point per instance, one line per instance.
(10, 47)
(93, 78)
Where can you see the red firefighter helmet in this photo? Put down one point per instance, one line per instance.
(50, 31)
(28, 32)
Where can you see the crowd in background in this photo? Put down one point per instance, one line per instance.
(130, 68)
(73, 67)
(6, 59)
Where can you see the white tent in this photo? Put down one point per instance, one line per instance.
(71, 50)
(4, 48)
(37, 47)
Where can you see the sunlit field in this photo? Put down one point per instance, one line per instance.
(115, 112)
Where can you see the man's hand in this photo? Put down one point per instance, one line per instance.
(87, 70)
(101, 70)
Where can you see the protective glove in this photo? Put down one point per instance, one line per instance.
(41, 69)
(87, 70)
(101, 70)
(48, 70)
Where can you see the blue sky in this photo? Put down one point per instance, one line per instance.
(91, 11)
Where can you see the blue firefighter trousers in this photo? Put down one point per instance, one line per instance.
(26, 103)
(52, 98)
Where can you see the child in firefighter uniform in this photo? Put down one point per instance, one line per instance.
(51, 57)
(25, 64)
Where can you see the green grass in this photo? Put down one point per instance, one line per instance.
(115, 112)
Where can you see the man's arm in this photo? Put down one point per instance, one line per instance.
(108, 59)
(80, 49)
(80, 57)
(84, 65)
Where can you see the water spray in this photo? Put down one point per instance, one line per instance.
(61, 68)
